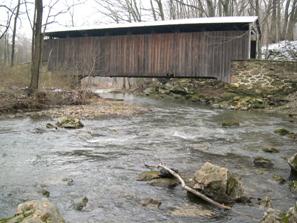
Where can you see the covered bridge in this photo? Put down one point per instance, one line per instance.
(200, 47)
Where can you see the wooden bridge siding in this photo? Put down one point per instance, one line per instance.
(197, 54)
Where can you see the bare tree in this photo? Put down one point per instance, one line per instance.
(5, 26)
(36, 45)
(16, 17)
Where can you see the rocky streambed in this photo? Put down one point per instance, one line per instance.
(91, 173)
(275, 97)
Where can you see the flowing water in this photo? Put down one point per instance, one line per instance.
(105, 157)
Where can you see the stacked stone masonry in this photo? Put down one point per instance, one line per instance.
(264, 75)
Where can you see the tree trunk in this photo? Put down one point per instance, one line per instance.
(6, 49)
(278, 19)
(273, 21)
(286, 19)
(211, 9)
(153, 10)
(36, 45)
(161, 11)
(14, 33)
(292, 21)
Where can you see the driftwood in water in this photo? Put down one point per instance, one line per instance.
(189, 189)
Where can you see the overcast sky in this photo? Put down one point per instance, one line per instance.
(86, 14)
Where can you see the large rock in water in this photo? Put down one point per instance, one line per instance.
(69, 123)
(36, 211)
(291, 215)
(275, 216)
(218, 183)
(293, 163)
(271, 216)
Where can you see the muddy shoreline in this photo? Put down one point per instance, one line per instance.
(50, 104)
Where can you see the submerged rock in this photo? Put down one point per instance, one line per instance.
(158, 178)
(69, 123)
(192, 211)
(266, 202)
(164, 182)
(164, 173)
(80, 203)
(36, 211)
(51, 126)
(263, 162)
(230, 123)
(293, 136)
(69, 181)
(279, 179)
(150, 203)
(270, 150)
(293, 163)
(282, 131)
(218, 183)
(148, 175)
(44, 192)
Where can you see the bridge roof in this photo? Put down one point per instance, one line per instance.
(182, 25)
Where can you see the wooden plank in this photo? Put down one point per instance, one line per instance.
(183, 54)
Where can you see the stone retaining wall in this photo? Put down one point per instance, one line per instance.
(264, 75)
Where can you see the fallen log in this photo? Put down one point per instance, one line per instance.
(189, 189)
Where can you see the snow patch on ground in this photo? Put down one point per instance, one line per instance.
(284, 50)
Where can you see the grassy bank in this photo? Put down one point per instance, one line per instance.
(18, 77)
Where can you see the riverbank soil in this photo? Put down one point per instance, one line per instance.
(55, 98)
(54, 104)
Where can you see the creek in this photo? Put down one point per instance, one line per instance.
(105, 157)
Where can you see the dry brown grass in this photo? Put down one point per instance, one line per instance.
(18, 77)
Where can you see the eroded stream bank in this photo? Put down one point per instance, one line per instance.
(105, 157)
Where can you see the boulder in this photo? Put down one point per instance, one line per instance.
(293, 163)
(36, 211)
(218, 183)
(69, 123)
(263, 162)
